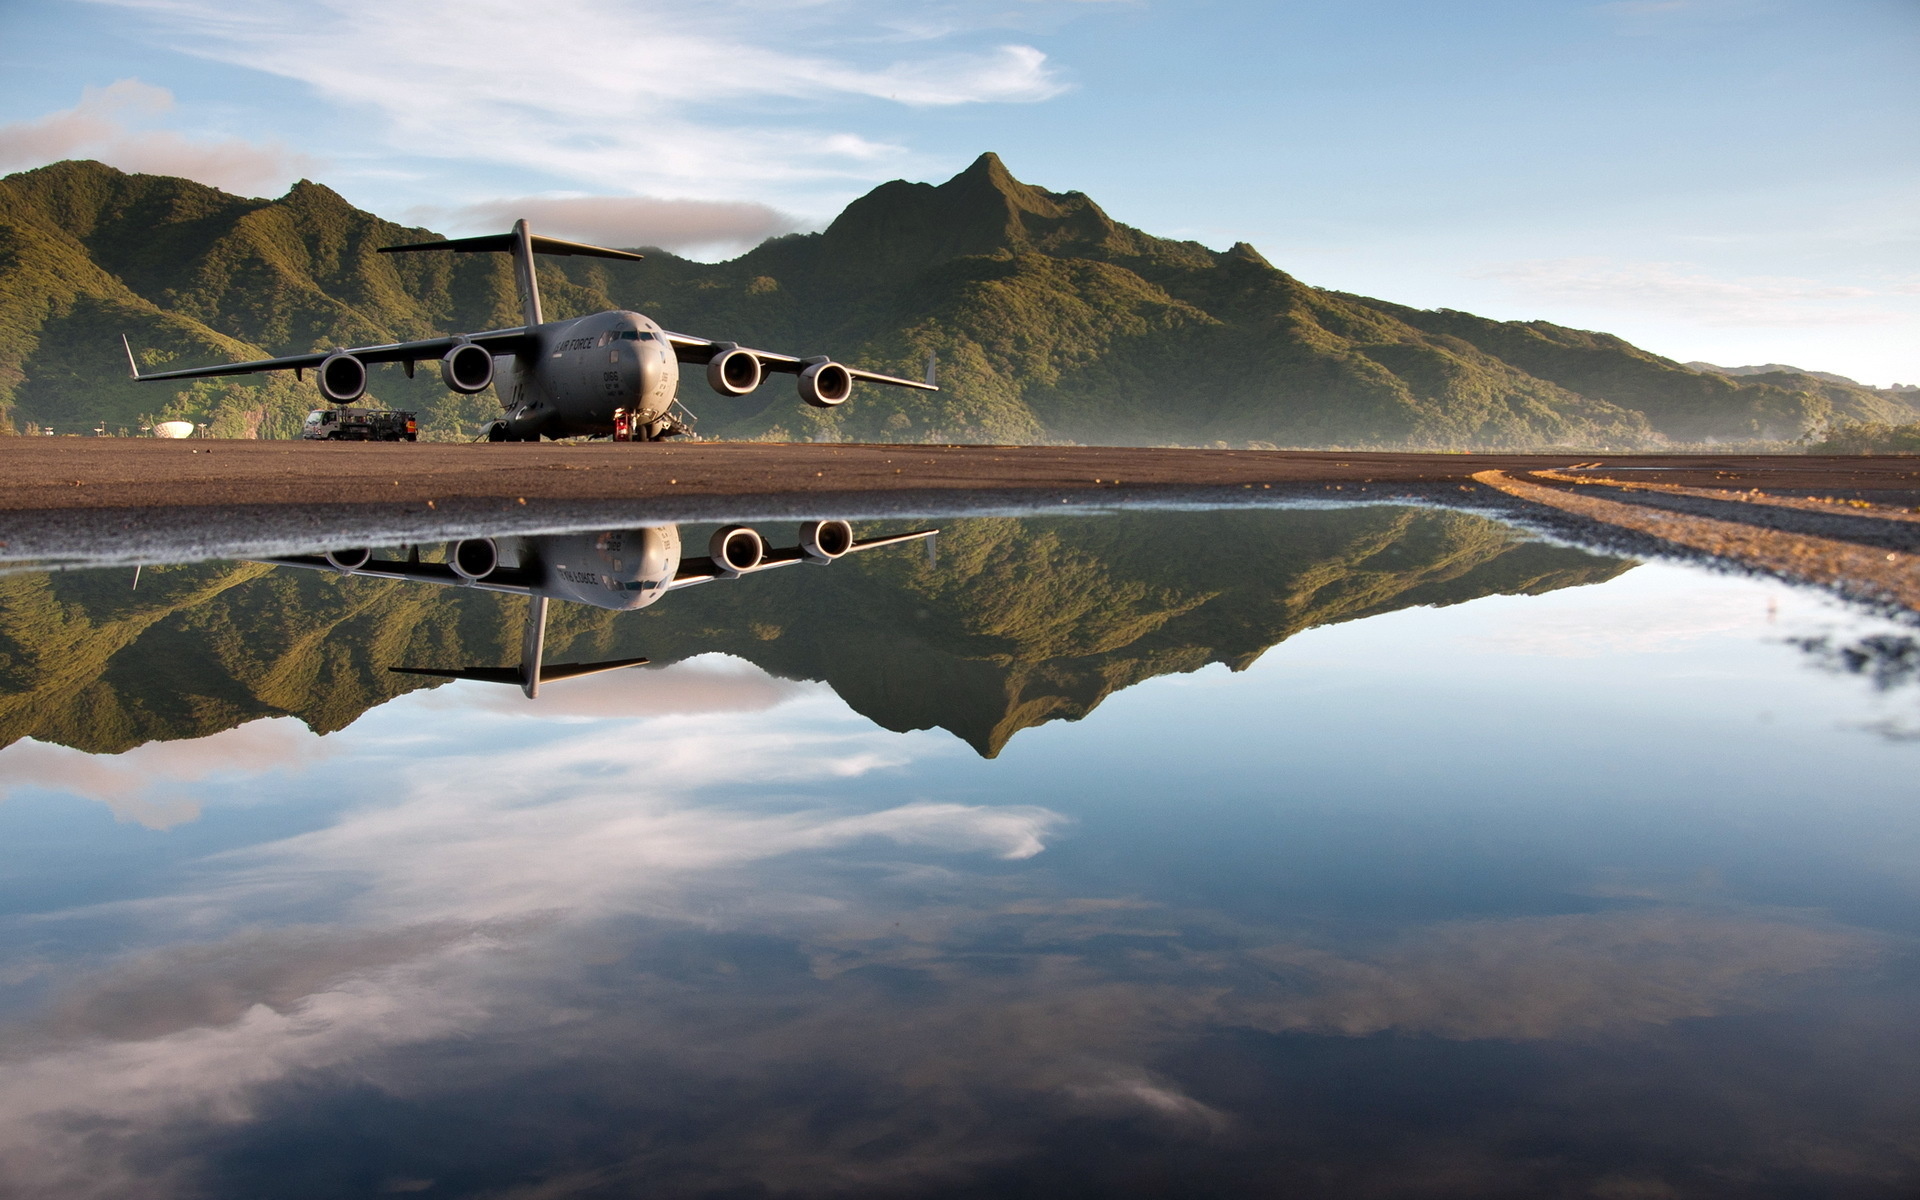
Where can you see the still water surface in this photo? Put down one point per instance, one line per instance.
(1365, 853)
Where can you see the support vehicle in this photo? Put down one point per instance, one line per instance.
(360, 425)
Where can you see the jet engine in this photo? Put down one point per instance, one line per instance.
(467, 369)
(348, 561)
(736, 549)
(733, 372)
(342, 377)
(824, 541)
(474, 558)
(825, 384)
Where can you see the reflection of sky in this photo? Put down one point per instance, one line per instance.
(1611, 870)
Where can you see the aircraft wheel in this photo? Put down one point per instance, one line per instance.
(497, 432)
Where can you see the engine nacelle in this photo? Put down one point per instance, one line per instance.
(348, 561)
(734, 372)
(825, 384)
(824, 541)
(467, 369)
(342, 377)
(736, 549)
(474, 558)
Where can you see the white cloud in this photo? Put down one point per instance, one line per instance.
(1684, 290)
(633, 97)
(487, 859)
(1577, 631)
(711, 684)
(147, 785)
(607, 812)
(719, 226)
(109, 125)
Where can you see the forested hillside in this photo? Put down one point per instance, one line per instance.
(1051, 322)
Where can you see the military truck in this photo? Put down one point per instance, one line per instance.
(360, 425)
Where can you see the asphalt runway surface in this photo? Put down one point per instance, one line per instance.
(100, 500)
(53, 475)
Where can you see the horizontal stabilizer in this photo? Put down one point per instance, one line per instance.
(576, 670)
(504, 242)
(511, 675)
(482, 674)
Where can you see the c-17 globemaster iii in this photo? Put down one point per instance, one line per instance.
(595, 376)
(621, 569)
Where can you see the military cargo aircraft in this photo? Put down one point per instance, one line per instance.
(612, 374)
(622, 569)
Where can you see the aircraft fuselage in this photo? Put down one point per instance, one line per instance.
(584, 372)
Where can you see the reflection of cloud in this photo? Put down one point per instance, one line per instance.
(195, 986)
(141, 784)
(1554, 977)
(196, 1033)
(523, 930)
(98, 127)
(59, 1109)
(709, 685)
(1576, 632)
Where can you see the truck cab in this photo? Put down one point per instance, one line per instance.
(359, 425)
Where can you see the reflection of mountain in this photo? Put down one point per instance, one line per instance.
(1022, 621)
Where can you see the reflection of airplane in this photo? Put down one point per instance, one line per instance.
(620, 569)
(609, 374)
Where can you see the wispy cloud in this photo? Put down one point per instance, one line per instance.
(712, 684)
(112, 124)
(1683, 289)
(150, 785)
(685, 226)
(634, 97)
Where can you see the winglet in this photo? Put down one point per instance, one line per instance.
(930, 368)
(133, 368)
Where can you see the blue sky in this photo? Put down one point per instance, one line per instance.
(1730, 180)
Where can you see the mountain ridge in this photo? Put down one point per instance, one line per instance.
(1051, 321)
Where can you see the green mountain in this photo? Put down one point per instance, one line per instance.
(1051, 322)
(1020, 622)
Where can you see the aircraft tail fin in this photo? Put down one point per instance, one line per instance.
(523, 245)
(504, 242)
(482, 674)
(533, 670)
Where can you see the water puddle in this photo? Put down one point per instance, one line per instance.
(1319, 852)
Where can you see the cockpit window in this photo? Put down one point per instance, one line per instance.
(635, 335)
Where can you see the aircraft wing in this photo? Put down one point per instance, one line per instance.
(690, 349)
(498, 341)
(517, 581)
(704, 570)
